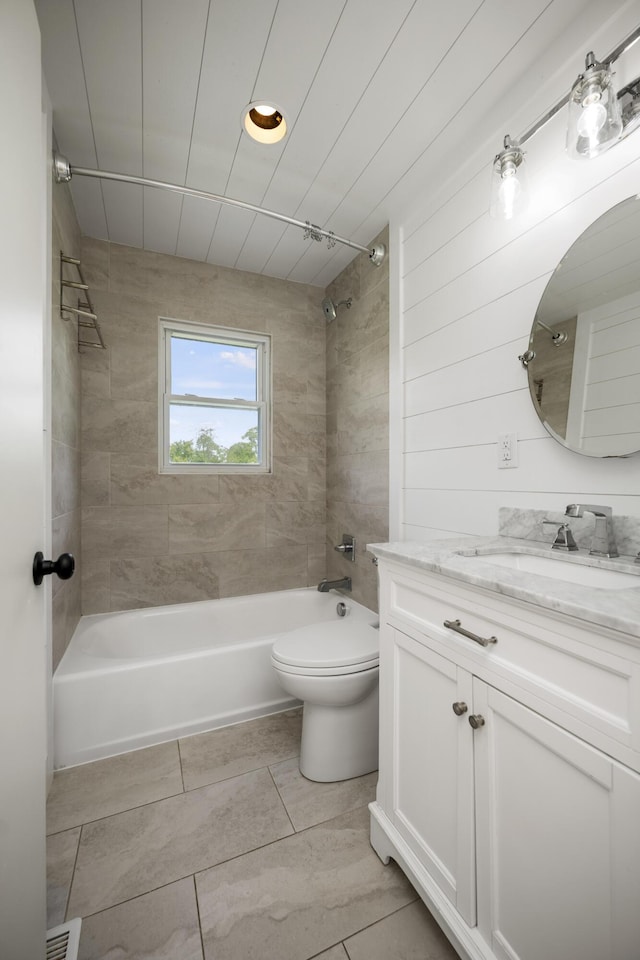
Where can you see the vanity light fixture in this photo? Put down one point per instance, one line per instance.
(509, 195)
(264, 122)
(595, 122)
(630, 99)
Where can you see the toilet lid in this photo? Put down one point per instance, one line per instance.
(334, 644)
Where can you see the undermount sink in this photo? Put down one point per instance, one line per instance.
(562, 568)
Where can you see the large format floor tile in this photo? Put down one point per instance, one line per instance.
(162, 925)
(299, 896)
(100, 789)
(252, 861)
(134, 852)
(309, 803)
(231, 751)
(335, 953)
(409, 934)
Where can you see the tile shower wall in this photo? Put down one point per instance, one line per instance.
(65, 426)
(358, 421)
(151, 539)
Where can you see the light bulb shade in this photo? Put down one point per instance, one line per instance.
(509, 192)
(594, 122)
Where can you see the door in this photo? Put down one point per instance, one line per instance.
(23, 297)
(558, 840)
(433, 768)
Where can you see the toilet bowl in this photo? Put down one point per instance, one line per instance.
(333, 668)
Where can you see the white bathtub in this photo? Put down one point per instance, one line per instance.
(132, 679)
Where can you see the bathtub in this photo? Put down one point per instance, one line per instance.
(133, 679)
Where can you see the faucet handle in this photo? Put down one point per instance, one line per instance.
(564, 537)
(347, 547)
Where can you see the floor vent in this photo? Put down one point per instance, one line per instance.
(63, 941)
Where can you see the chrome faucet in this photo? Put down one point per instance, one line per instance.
(325, 585)
(603, 543)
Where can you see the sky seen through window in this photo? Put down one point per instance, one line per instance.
(222, 371)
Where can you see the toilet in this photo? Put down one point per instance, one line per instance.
(333, 668)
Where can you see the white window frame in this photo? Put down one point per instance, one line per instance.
(260, 342)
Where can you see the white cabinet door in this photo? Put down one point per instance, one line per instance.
(432, 771)
(558, 840)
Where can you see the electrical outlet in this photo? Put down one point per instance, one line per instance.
(507, 451)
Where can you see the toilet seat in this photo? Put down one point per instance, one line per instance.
(327, 649)
(333, 669)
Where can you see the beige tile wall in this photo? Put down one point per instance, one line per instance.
(65, 427)
(358, 421)
(149, 539)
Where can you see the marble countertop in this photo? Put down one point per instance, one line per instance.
(616, 609)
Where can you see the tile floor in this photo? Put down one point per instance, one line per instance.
(214, 847)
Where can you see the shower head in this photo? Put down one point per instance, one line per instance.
(331, 309)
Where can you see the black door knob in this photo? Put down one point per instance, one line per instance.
(63, 567)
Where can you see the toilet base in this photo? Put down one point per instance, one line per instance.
(339, 743)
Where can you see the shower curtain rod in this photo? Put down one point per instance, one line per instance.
(64, 171)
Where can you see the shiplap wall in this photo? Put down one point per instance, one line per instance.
(467, 288)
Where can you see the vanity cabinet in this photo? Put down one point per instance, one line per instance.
(522, 831)
(431, 764)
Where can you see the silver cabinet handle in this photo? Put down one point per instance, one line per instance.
(459, 708)
(456, 625)
(476, 720)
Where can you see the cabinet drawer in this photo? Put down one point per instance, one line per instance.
(571, 669)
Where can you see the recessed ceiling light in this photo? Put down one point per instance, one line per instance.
(264, 121)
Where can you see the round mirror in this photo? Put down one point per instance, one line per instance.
(584, 348)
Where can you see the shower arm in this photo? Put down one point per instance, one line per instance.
(64, 171)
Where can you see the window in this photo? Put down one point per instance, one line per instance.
(214, 399)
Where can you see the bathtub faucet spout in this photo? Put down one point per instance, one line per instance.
(325, 585)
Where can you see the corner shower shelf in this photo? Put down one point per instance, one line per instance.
(87, 320)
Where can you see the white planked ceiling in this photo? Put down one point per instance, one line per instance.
(375, 91)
